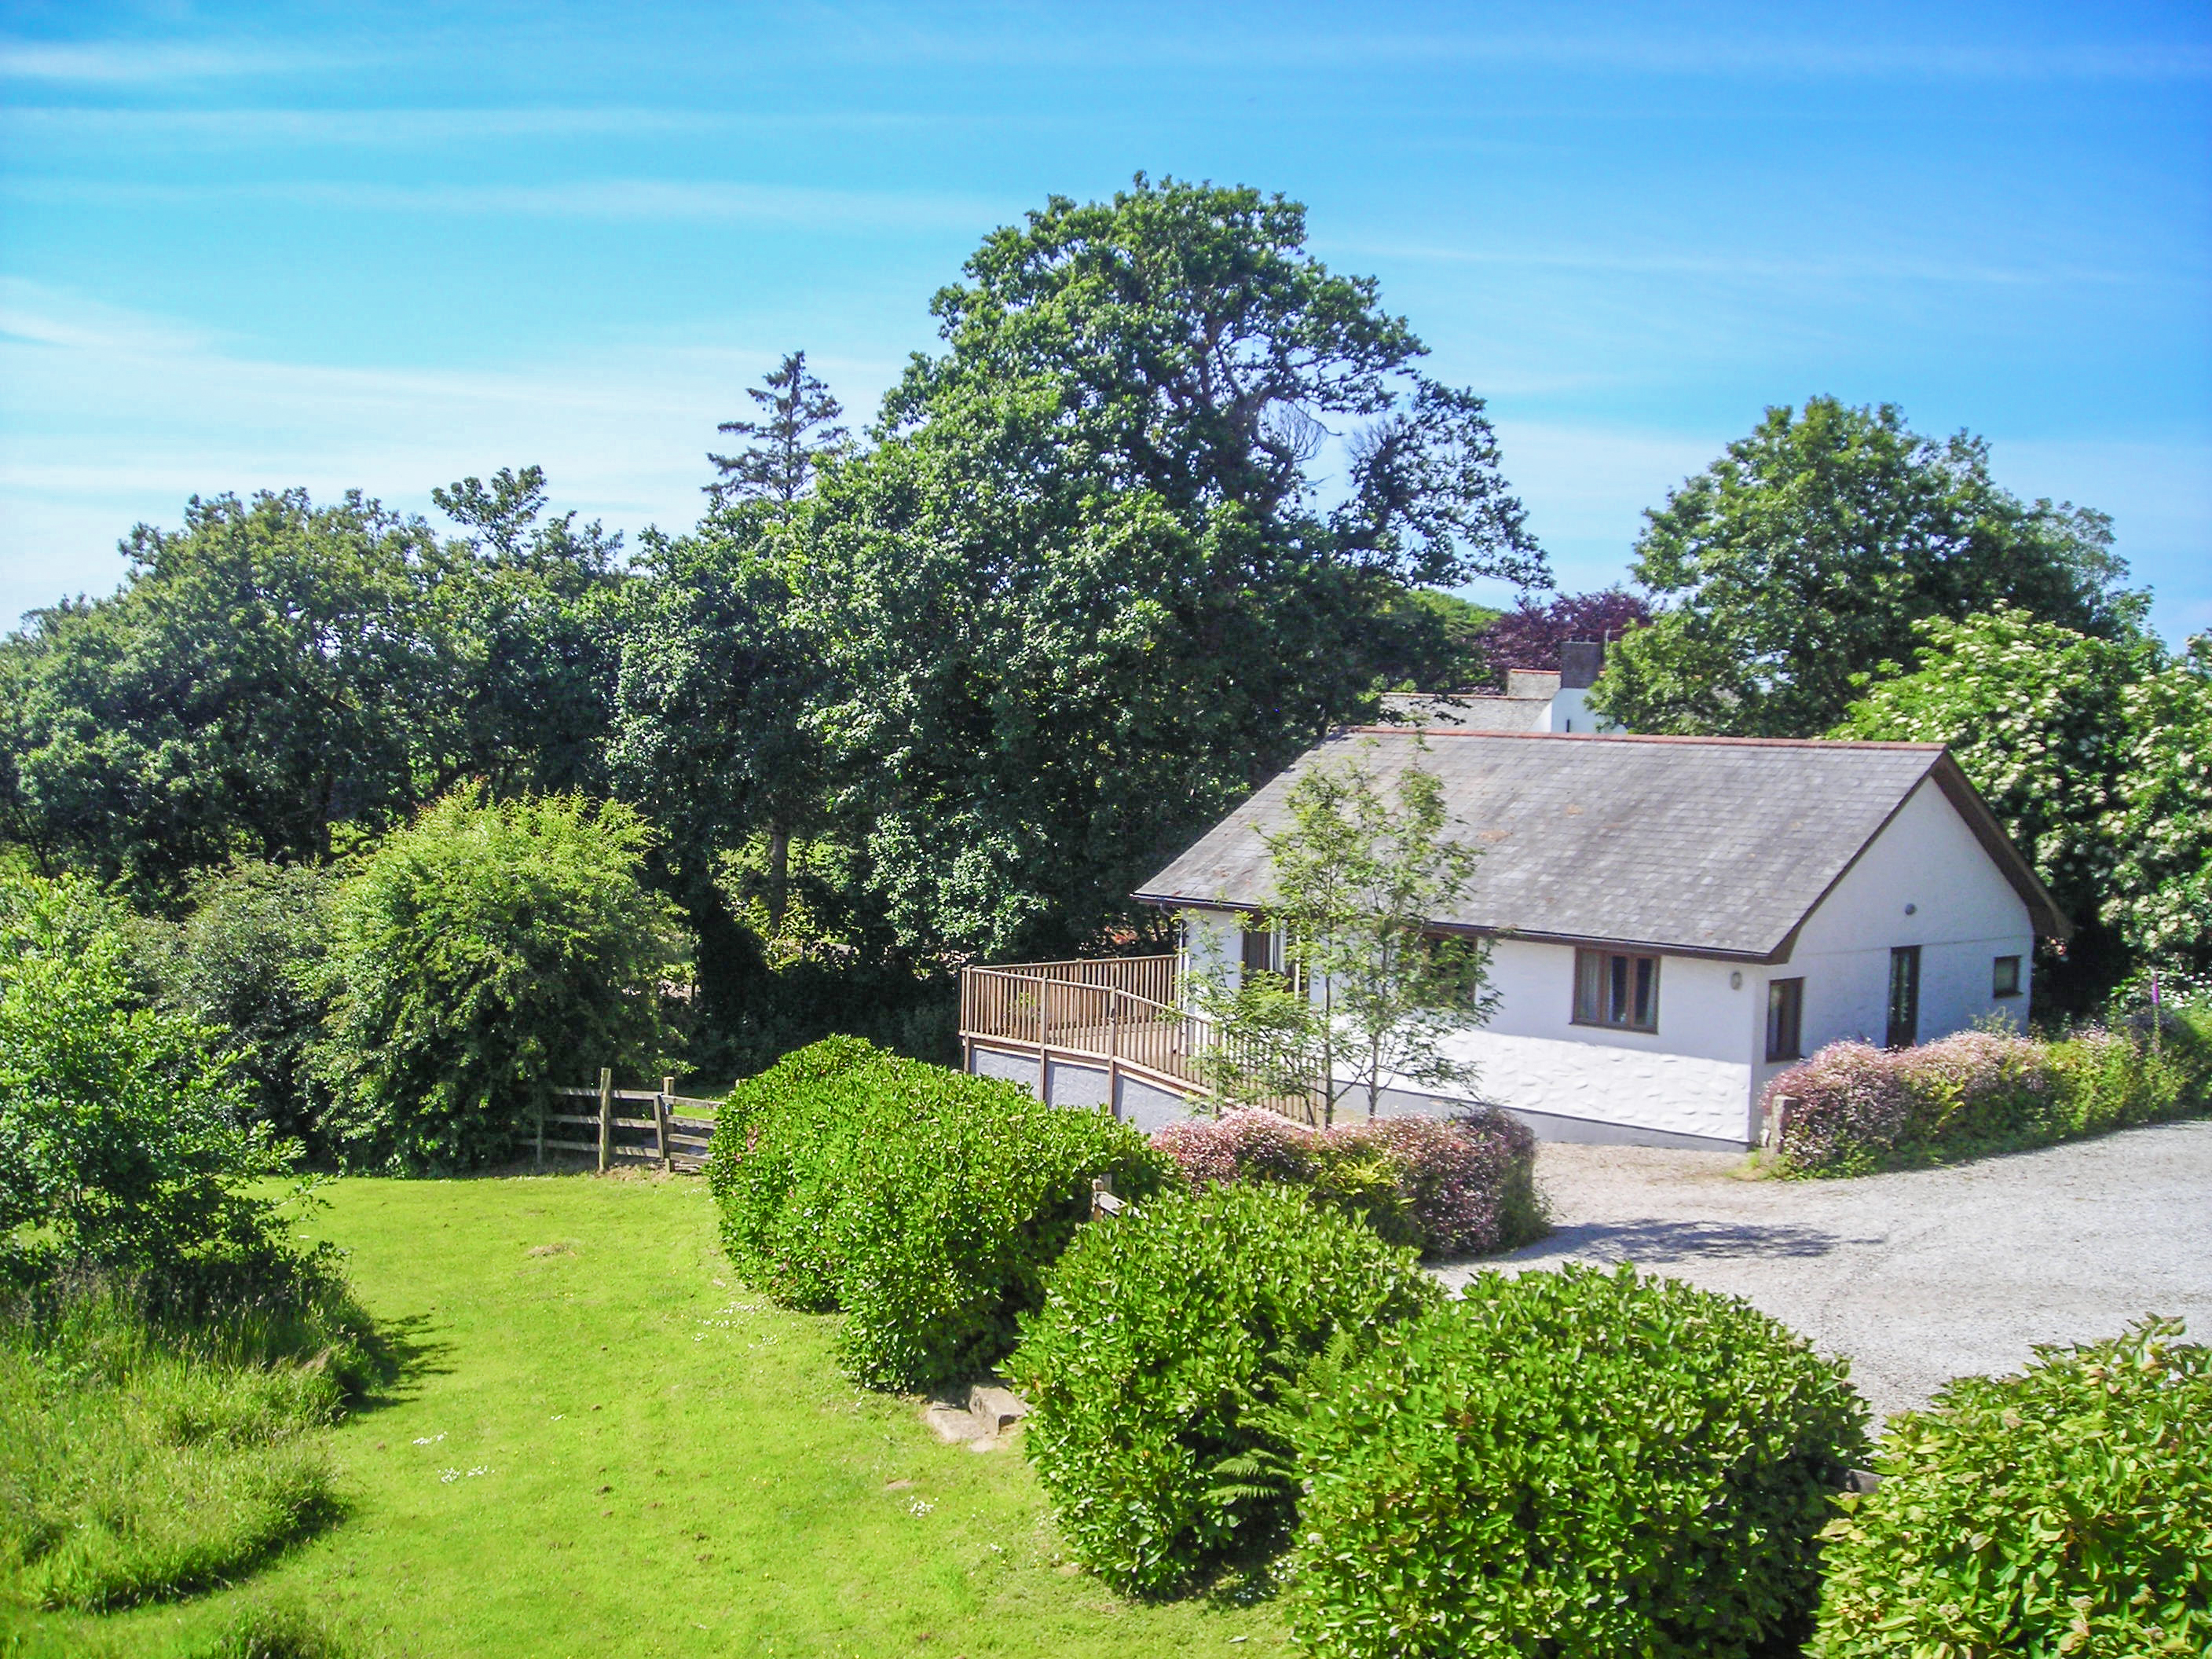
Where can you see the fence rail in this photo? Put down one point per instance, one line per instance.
(1106, 1011)
(665, 1138)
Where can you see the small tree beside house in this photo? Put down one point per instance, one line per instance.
(1360, 991)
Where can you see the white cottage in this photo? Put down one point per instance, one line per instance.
(1673, 920)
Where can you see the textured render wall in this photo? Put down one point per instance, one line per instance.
(1693, 1076)
(1964, 915)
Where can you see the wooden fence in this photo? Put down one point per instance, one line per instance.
(665, 1138)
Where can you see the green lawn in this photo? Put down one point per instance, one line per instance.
(604, 1446)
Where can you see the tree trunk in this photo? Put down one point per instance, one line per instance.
(779, 876)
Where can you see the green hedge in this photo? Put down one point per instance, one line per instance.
(2066, 1512)
(1860, 1109)
(923, 1202)
(1157, 1372)
(1573, 1462)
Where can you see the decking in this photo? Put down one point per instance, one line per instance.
(1123, 1015)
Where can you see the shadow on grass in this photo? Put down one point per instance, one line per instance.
(408, 1356)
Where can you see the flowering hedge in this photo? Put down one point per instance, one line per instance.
(1859, 1108)
(1460, 1186)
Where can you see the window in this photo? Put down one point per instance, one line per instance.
(1903, 997)
(1262, 951)
(1613, 988)
(1264, 954)
(2004, 977)
(1785, 1019)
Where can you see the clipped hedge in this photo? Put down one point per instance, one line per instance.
(2067, 1511)
(1572, 1462)
(1449, 1187)
(1861, 1109)
(923, 1202)
(1159, 1367)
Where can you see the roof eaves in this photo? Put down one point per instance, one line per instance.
(1531, 935)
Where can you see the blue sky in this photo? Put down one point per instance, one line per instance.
(386, 245)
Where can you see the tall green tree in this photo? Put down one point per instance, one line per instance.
(797, 428)
(534, 605)
(270, 671)
(1806, 553)
(1371, 993)
(718, 679)
(1089, 586)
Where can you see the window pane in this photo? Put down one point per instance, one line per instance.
(2005, 977)
(1785, 1014)
(1903, 997)
(1647, 987)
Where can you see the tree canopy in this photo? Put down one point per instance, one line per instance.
(1085, 590)
(1806, 552)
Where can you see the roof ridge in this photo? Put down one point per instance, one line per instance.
(1645, 737)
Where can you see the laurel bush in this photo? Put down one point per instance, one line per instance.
(1578, 1462)
(1173, 1346)
(923, 1202)
(2064, 1511)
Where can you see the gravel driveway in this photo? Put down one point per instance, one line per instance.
(1916, 1276)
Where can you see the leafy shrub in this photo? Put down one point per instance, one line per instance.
(1572, 1462)
(121, 1144)
(1161, 1368)
(1861, 1109)
(2067, 1511)
(144, 1456)
(248, 960)
(1463, 1185)
(925, 1203)
(487, 954)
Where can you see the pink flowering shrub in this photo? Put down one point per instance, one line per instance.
(1859, 1108)
(1462, 1186)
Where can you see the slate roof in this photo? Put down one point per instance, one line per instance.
(1715, 847)
(1471, 714)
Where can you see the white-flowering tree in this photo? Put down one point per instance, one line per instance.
(1370, 989)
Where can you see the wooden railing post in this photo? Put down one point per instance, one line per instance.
(1044, 1039)
(1113, 1054)
(606, 1117)
(660, 1121)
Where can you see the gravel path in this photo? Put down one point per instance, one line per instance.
(1916, 1276)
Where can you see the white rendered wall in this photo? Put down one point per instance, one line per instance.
(1964, 915)
(1690, 1076)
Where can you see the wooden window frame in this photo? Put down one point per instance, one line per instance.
(2003, 983)
(1785, 1020)
(1607, 980)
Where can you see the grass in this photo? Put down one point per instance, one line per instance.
(138, 1461)
(595, 1448)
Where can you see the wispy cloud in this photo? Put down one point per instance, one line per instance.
(609, 199)
(1628, 44)
(1853, 266)
(124, 62)
(371, 129)
(35, 314)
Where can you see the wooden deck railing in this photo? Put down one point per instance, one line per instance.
(1124, 1011)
